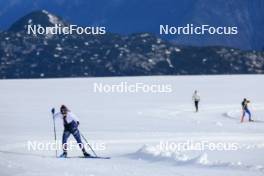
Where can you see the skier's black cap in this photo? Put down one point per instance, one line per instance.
(63, 109)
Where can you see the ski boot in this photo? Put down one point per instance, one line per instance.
(86, 155)
(63, 155)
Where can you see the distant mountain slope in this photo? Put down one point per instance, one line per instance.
(42, 18)
(135, 16)
(28, 56)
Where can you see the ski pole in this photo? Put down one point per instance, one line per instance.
(89, 145)
(54, 130)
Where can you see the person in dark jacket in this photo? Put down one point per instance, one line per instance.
(245, 110)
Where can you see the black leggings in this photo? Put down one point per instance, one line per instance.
(196, 103)
(71, 128)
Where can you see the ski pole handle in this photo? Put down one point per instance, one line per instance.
(53, 111)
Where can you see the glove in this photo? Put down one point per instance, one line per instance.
(53, 110)
(78, 123)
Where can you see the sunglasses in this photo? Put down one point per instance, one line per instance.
(64, 111)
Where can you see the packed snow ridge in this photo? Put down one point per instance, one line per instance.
(156, 154)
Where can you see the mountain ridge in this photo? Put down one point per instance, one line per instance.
(29, 56)
(126, 17)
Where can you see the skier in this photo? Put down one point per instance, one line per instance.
(245, 110)
(196, 99)
(71, 123)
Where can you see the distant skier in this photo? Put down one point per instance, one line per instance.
(245, 110)
(196, 99)
(71, 123)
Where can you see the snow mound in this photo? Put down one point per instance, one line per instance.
(155, 154)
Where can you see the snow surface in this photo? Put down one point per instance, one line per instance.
(133, 124)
